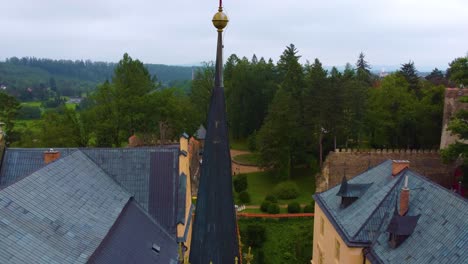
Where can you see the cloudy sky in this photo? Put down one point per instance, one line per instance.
(389, 32)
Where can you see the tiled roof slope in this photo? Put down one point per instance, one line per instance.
(133, 168)
(351, 219)
(441, 234)
(58, 214)
(131, 240)
(19, 162)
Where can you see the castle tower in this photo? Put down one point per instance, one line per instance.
(214, 237)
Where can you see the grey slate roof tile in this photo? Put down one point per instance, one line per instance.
(36, 228)
(440, 236)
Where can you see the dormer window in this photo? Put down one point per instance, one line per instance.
(400, 228)
(350, 192)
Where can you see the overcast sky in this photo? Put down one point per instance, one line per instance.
(389, 32)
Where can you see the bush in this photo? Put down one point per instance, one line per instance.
(29, 112)
(286, 190)
(256, 235)
(271, 198)
(240, 183)
(309, 208)
(265, 205)
(273, 209)
(294, 208)
(252, 141)
(244, 197)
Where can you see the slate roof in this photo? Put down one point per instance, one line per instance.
(132, 238)
(201, 132)
(214, 236)
(441, 232)
(148, 174)
(58, 214)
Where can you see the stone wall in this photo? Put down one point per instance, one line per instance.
(452, 105)
(353, 162)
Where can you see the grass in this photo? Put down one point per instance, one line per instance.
(71, 106)
(249, 159)
(36, 104)
(260, 184)
(288, 241)
(239, 144)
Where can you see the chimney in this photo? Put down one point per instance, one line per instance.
(404, 198)
(399, 165)
(51, 155)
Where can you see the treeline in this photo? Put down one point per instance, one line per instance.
(73, 78)
(293, 113)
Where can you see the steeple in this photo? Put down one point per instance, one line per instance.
(214, 237)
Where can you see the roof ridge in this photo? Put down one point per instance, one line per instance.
(435, 184)
(398, 181)
(27, 175)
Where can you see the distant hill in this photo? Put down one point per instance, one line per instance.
(74, 77)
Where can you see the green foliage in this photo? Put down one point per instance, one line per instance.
(244, 197)
(281, 245)
(9, 107)
(29, 112)
(240, 183)
(256, 235)
(271, 198)
(62, 129)
(252, 141)
(308, 208)
(408, 71)
(265, 205)
(286, 190)
(294, 208)
(273, 208)
(200, 93)
(458, 71)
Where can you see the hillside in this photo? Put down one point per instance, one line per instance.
(72, 78)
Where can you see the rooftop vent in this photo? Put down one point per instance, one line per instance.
(156, 248)
(350, 192)
(401, 226)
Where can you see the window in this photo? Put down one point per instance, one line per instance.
(337, 249)
(321, 258)
(322, 226)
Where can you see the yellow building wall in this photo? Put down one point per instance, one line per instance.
(325, 244)
(184, 167)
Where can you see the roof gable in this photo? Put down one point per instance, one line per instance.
(59, 213)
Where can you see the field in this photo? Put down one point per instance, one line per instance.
(247, 159)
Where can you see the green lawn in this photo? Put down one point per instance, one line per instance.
(239, 144)
(249, 159)
(287, 241)
(71, 106)
(260, 184)
(36, 103)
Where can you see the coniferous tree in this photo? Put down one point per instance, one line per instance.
(408, 71)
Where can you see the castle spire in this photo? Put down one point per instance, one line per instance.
(214, 236)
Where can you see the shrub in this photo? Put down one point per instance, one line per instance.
(286, 190)
(244, 197)
(273, 209)
(29, 112)
(252, 141)
(294, 208)
(240, 183)
(309, 208)
(265, 205)
(256, 235)
(271, 198)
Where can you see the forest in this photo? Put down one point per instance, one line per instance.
(291, 114)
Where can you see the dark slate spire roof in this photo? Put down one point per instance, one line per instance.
(215, 227)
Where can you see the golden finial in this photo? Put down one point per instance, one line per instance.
(249, 257)
(220, 19)
(236, 260)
